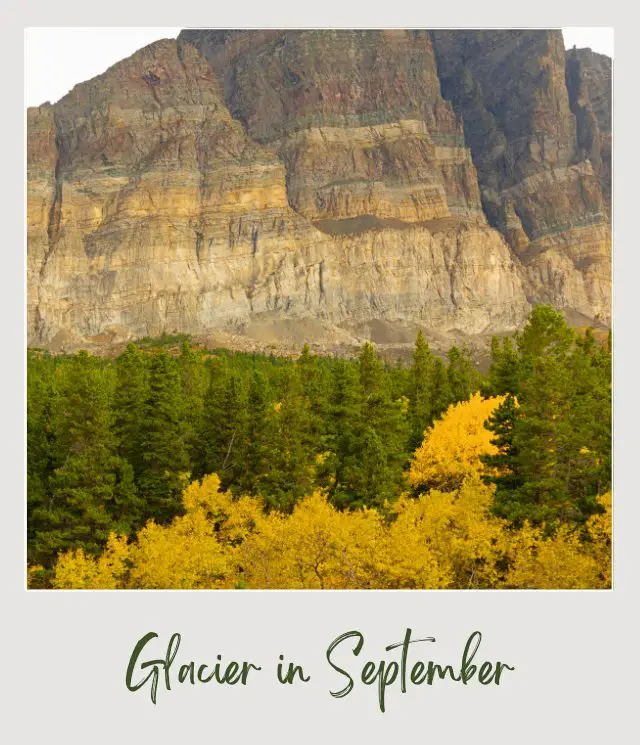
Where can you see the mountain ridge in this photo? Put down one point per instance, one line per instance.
(208, 182)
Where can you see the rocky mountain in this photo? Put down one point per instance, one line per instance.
(268, 182)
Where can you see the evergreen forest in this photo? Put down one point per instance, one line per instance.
(217, 469)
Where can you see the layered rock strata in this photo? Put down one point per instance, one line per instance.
(232, 176)
(537, 147)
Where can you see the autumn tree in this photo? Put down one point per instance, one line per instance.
(316, 485)
(453, 447)
(439, 539)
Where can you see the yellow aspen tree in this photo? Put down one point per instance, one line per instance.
(452, 447)
(316, 547)
(559, 562)
(77, 570)
(447, 539)
(187, 553)
(599, 530)
(441, 539)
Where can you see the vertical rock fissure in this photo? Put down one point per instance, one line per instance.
(55, 212)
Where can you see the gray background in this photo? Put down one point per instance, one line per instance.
(65, 653)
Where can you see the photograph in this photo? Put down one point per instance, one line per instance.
(318, 309)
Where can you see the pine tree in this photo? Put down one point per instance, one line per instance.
(501, 423)
(194, 387)
(224, 420)
(400, 381)
(315, 383)
(422, 390)
(589, 433)
(165, 458)
(92, 492)
(41, 446)
(464, 379)
(372, 453)
(504, 372)
(132, 390)
(442, 396)
(388, 420)
(257, 436)
(345, 422)
(555, 445)
(545, 335)
(291, 468)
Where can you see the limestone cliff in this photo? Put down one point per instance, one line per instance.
(230, 177)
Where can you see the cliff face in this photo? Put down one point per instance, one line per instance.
(536, 145)
(156, 211)
(357, 118)
(333, 175)
(589, 86)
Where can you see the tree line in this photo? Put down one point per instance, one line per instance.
(443, 534)
(112, 444)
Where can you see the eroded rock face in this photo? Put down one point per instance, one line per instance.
(536, 143)
(162, 213)
(231, 176)
(357, 118)
(589, 85)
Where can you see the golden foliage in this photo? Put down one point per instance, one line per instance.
(77, 570)
(447, 539)
(599, 530)
(565, 560)
(316, 547)
(442, 539)
(452, 447)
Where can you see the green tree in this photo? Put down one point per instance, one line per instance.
(464, 379)
(194, 388)
(165, 457)
(41, 445)
(315, 382)
(344, 422)
(442, 396)
(289, 447)
(92, 492)
(422, 390)
(257, 436)
(224, 421)
(555, 445)
(501, 423)
(372, 448)
(132, 390)
(504, 372)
